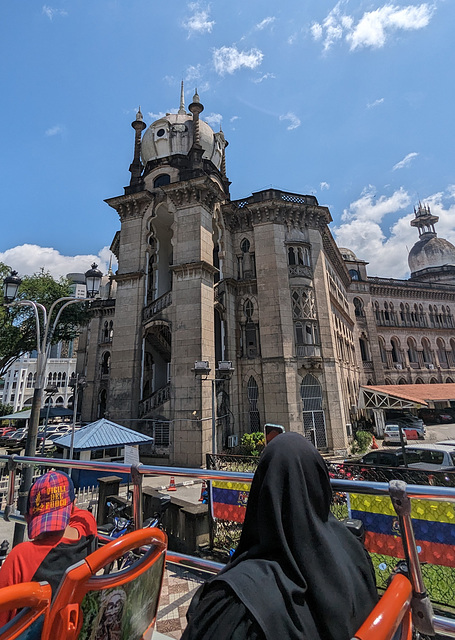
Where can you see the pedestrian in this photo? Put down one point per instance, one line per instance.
(298, 572)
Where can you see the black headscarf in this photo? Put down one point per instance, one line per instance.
(299, 571)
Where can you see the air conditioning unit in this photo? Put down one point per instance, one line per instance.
(233, 441)
(398, 366)
(430, 366)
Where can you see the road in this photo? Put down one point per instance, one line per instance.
(436, 432)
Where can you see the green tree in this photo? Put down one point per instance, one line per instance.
(17, 323)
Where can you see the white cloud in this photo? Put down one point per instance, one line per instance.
(387, 251)
(30, 258)
(294, 121)
(375, 103)
(214, 120)
(230, 59)
(324, 185)
(265, 23)
(199, 22)
(50, 12)
(266, 76)
(374, 27)
(406, 161)
(234, 118)
(54, 131)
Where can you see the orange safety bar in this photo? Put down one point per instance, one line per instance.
(393, 609)
(65, 618)
(35, 597)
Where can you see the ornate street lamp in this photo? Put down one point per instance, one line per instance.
(51, 390)
(10, 286)
(93, 280)
(44, 334)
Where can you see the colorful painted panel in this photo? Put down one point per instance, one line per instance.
(229, 499)
(433, 523)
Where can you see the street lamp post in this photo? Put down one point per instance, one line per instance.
(44, 340)
(51, 389)
(224, 371)
(76, 383)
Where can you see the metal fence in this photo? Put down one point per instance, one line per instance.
(440, 580)
(444, 624)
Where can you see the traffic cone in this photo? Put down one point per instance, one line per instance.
(374, 444)
(172, 486)
(203, 491)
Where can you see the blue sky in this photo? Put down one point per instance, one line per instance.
(349, 101)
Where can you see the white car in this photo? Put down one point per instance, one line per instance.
(392, 434)
(431, 456)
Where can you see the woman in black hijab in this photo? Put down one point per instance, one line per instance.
(297, 572)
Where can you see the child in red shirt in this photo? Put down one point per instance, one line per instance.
(60, 535)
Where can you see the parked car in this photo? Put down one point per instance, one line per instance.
(392, 434)
(445, 417)
(426, 457)
(417, 424)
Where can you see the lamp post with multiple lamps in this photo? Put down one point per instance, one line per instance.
(51, 390)
(224, 372)
(77, 383)
(45, 330)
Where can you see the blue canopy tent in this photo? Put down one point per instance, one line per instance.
(94, 440)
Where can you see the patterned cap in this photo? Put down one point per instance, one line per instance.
(49, 505)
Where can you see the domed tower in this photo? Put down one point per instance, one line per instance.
(168, 259)
(431, 259)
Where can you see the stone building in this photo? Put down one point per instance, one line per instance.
(258, 285)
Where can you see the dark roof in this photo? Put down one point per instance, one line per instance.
(103, 434)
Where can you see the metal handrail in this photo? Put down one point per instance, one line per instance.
(441, 624)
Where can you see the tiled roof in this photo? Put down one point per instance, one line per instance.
(420, 393)
(103, 434)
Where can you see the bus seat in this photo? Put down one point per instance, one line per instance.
(392, 610)
(34, 599)
(88, 606)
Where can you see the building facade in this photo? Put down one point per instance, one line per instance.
(258, 283)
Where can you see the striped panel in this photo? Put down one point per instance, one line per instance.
(431, 510)
(229, 500)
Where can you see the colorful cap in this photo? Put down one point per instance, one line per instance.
(50, 502)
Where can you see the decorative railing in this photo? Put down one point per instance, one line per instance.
(157, 398)
(157, 305)
(308, 351)
(296, 270)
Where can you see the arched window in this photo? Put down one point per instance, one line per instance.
(313, 414)
(248, 308)
(253, 413)
(396, 355)
(364, 349)
(245, 245)
(433, 381)
(388, 381)
(30, 380)
(106, 364)
(291, 256)
(64, 379)
(449, 380)
(161, 180)
(402, 381)
(419, 381)
(355, 275)
(59, 402)
(359, 308)
(426, 350)
(382, 350)
(442, 353)
(102, 401)
(412, 351)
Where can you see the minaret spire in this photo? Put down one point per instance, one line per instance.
(136, 166)
(182, 101)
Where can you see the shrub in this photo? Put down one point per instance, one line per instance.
(254, 443)
(362, 442)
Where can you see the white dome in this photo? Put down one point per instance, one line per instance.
(431, 251)
(173, 134)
